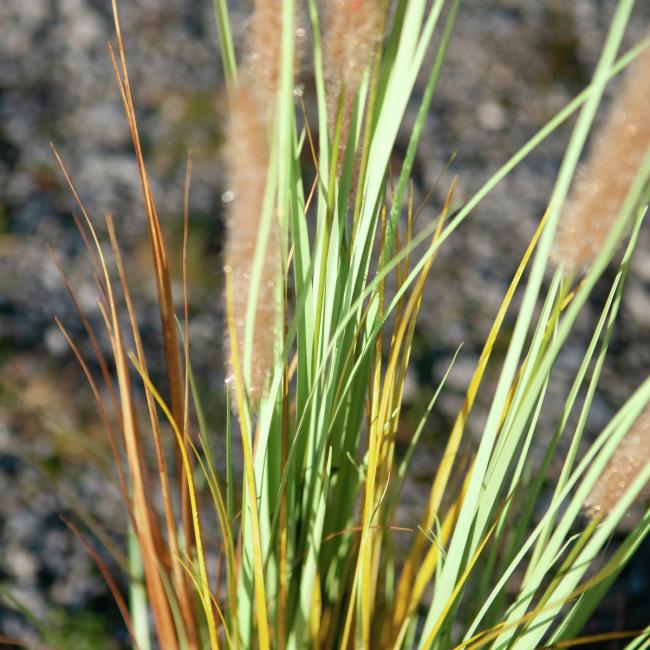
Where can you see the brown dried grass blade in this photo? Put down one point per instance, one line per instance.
(146, 528)
(99, 355)
(169, 555)
(103, 415)
(106, 574)
(161, 269)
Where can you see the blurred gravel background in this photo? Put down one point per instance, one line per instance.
(512, 64)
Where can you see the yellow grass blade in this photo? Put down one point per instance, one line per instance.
(180, 439)
(145, 529)
(482, 638)
(197, 583)
(180, 583)
(380, 419)
(458, 587)
(449, 457)
(428, 567)
(442, 475)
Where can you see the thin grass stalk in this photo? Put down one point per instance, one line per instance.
(449, 456)
(403, 466)
(458, 545)
(608, 317)
(145, 528)
(163, 284)
(283, 579)
(186, 307)
(365, 562)
(226, 46)
(156, 238)
(204, 591)
(112, 438)
(99, 355)
(225, 523)
(115, 592)
(416, 134)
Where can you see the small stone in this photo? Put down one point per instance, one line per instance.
(22, 564)
(55, 341)
(491, 116)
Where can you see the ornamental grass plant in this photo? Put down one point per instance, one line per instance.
(324, 270)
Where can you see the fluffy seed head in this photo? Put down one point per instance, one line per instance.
(246, 151)
(351, 34)
(264, 60)
(602, 184)
(265, 45)
(629, 458)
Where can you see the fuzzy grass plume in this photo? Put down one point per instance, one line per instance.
(603, 182)
(351, 34)
(350, 38)
(264, 46)
(629, 458)
(247, 158)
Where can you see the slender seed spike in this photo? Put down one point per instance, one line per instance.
(352, 31)
(264, 59)
(602, 184)
(265, 45)
(247, 161)
(626, 463)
